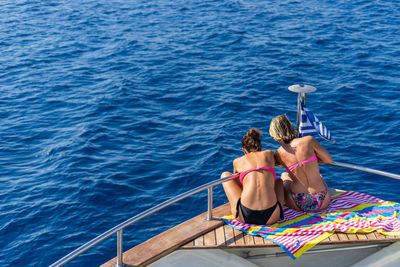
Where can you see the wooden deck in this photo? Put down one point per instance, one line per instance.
(227, 237)
(198, 233)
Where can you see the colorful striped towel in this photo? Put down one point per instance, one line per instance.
(348, 212)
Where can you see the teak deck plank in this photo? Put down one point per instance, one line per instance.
(209, 239)
(189, 245)
(334, 238)
(327, 240)
(379, 236)
(199, 242)
(230, 239)
(220, 236)
(239, 240)
(342, 237)
(258, 240)
(352, 237)
(361, 237)
(268, 243)
(248, 240)
(371, 236)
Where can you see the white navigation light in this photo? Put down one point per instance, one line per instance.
(302, 88)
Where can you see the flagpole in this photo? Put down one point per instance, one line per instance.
(298, 111)
(301, 90)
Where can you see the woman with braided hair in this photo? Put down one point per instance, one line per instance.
(305, 188)
(254, 194)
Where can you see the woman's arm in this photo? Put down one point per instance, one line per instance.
(234, 167)
(323, 155)
(278, 161)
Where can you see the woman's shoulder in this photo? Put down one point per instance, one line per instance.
(237, 159)
(308, 138)
(305, 140)
(267, 152)
(279, 151)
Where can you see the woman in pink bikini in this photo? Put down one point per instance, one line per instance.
(254, 194)
(305, 188)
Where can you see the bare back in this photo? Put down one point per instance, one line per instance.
(306, 177)
(258, 186)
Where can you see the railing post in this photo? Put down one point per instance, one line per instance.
(210, 203)
(118, 229)
(119, 249)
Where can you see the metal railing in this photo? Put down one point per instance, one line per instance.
(364, 169)
(119, 228)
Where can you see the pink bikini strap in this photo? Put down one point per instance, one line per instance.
(243, 174)
(303, 162)
(310, 159)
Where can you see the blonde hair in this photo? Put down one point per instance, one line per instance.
(281, 129)
(251, 140)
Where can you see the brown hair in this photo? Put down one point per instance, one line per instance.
(251, 140)
(281, 129)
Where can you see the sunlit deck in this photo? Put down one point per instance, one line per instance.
(198, 233)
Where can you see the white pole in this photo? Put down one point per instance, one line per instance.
(301, 90)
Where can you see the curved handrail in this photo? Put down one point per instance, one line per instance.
(179, 197)
(136, 218)
(364, 169)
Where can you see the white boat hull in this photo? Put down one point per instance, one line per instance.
(351, 255)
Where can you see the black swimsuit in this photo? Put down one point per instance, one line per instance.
(260, 217)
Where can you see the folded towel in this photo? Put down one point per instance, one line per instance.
(348, 212)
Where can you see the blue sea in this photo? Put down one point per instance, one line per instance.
(110, 107)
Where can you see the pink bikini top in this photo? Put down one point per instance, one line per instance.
(243, 174)
(301, 163)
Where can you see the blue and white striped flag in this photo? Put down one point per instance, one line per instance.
(310, 125)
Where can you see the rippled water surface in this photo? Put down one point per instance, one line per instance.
(110, 107)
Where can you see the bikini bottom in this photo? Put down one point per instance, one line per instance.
(260, 217)
(309, 201)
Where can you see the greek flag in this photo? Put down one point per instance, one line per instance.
(310, 125)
